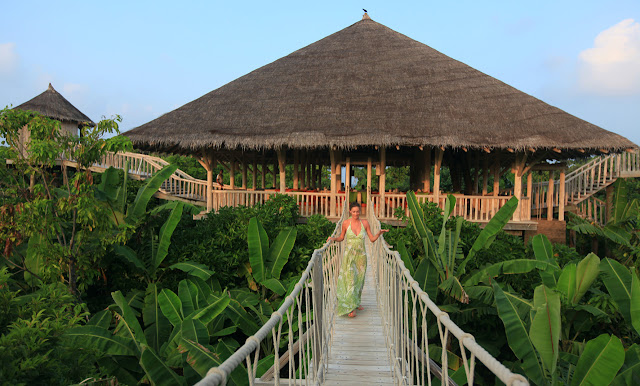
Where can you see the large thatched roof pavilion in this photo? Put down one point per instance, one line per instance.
(370, 95)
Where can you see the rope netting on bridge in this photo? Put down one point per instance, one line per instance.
(303, 326)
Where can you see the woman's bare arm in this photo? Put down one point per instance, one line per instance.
(341, 237)
(373, 238)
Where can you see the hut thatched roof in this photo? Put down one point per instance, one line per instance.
(369, 85)
(53, 105)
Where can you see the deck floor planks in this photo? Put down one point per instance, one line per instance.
(358, 353)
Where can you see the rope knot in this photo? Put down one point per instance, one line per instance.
(253, 338)
(223, 376)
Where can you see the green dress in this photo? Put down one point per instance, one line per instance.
(352, 272)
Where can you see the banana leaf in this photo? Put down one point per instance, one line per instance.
(543, 251)
(101, 319)
(258, 242)
(129, 319)
(279, 252)
(449, 204)
(165, 236)
(156, 369)
(417, 216)
(157, 325)
(427, 277)
(517, 336)
(600, 361)
(145, 193)
(129, 255)
(491, 230)
(624, 289)
(567, 281)
(406, 259)
(194, 330)
(207, 314)
(274, 285)
(506, 268)
(545, 326)
(195, 269)
(630, 371)
(188, 295)
(171, 306)
(100, 339)
(586, 272)
(199, 356)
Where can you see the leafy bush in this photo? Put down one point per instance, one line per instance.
(32, 347)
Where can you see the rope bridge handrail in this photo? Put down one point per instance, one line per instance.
(307, 358)
(405, 308)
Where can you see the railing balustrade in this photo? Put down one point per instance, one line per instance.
(593, 209)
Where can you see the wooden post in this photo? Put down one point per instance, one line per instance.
(207, 162)
(426, 176)
(275, 169)
(281, 166)
(263, 172)
(244, 172)
(347, 177)
(232, 175)
(561, 196)
(254, 173)
(382, 180)
(518, 167)
(436, 175)
(369, 164)
(485, 175)
(550, 198)
(295, 169)
(496, 176)
(334, 183)
(530, 186)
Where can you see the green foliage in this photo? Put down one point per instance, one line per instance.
(63, 215)
(169, 340)
(32, 347)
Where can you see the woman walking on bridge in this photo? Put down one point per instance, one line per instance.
(354, 261)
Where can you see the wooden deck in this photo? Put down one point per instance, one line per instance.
(358, 353)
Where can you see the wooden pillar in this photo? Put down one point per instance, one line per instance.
(254, 173)
(295, 169)
(561, 195)
(207, 163)
(275, 172)
(263, 172)
(369, 165)
(518, 168)
(334, 183)
(426, 171)
(550, 197)
(347, 177)
(281, 166)
(496, 176)
(436, 175)
(382, 179)
(485, 175)
(232, 175)
(244, 172)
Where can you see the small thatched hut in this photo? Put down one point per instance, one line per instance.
(370, 92)
(53, 105)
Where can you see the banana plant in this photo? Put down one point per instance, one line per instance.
(441, 256)
(266, 261)
(624, 287)
(174, 343)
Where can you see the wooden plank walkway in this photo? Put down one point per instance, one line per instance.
(358, 354)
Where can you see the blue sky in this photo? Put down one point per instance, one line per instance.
(141, 59)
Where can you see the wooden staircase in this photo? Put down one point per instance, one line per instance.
(581, 185)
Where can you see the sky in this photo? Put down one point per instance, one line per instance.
(141, 59)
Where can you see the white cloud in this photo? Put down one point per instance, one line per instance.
(612, 65)
(8, 58)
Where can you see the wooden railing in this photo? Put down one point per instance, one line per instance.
(593, 209)
(471, 208)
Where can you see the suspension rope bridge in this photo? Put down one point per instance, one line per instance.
(387, 343)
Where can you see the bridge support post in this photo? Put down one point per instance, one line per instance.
(281, 167)
(318, 324)
(561, 196)
(382, 180)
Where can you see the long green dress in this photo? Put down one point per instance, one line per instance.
(352, 272)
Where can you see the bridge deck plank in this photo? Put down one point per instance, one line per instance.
(358, 353)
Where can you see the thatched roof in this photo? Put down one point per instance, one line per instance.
(369, 85)
(53, 105)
